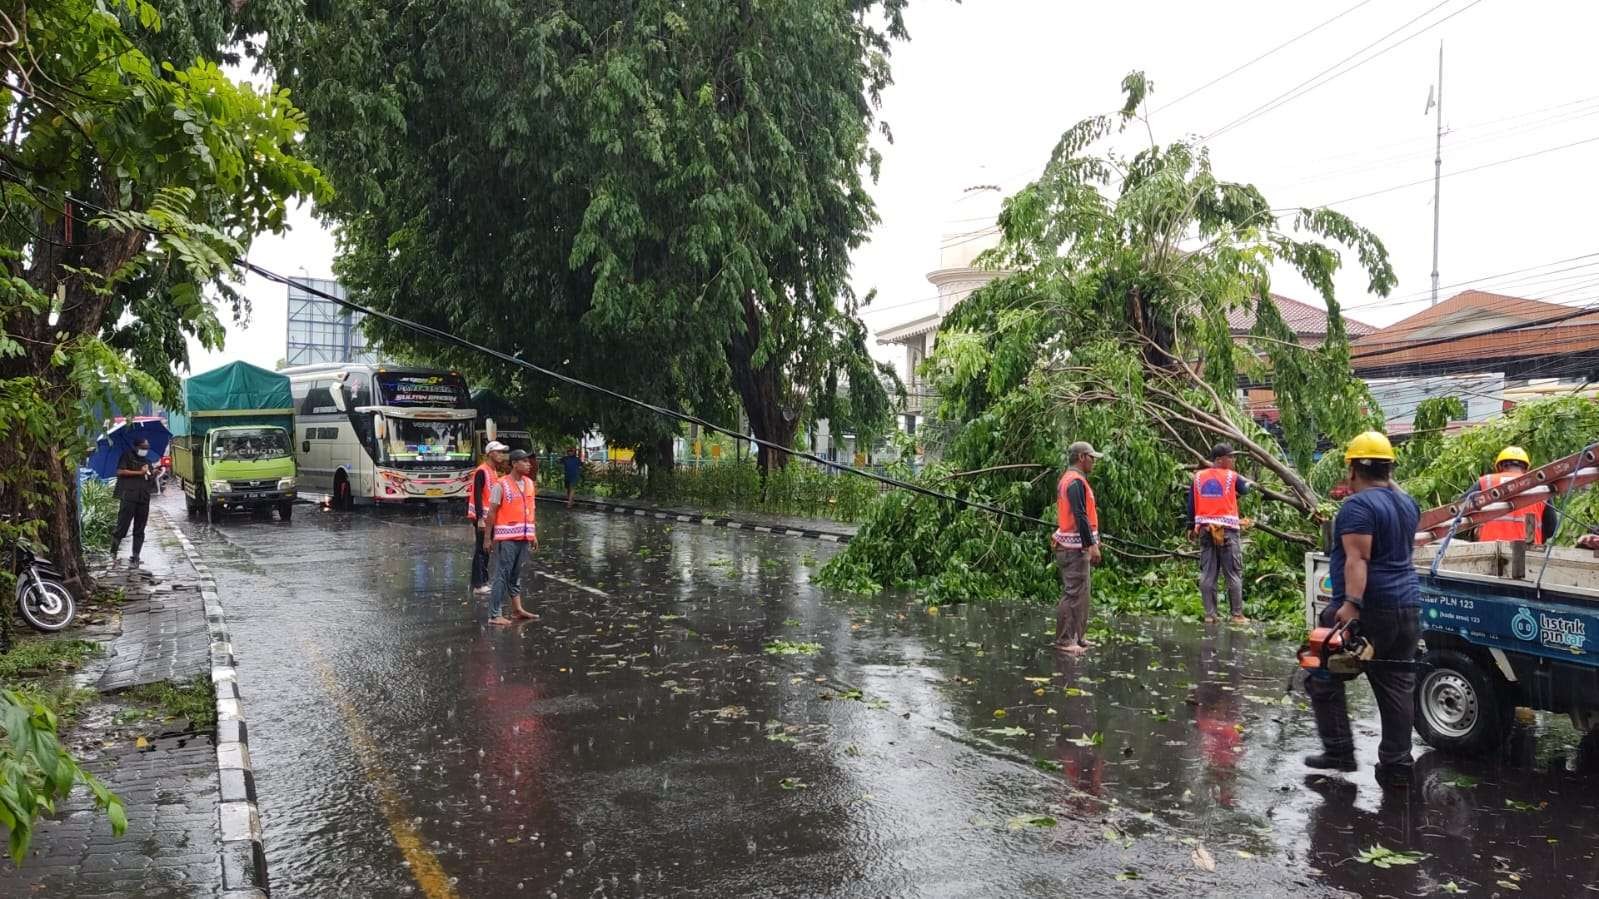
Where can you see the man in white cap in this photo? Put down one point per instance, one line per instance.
(495, 465)
(1076, 545)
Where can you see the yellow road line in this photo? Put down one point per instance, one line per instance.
(424, 864)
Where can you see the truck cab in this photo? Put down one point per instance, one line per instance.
(241, 468)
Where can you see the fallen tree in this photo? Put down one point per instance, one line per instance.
(1113, 326)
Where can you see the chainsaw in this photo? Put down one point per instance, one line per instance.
(1339, 650)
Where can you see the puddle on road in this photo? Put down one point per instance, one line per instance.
(647, 742)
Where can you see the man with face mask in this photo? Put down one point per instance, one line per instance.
(135, 483)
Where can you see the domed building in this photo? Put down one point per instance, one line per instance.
(969, 231)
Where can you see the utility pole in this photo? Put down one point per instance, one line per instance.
(1437, 171)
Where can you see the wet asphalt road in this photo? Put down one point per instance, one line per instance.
(639, 740)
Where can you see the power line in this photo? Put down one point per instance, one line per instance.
(1476, 168)
(1236, 69)
(1311, 83)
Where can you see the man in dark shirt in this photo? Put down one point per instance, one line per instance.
(1375, 588)
(135, 483)
(572, 468)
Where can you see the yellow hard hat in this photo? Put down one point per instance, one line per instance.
(1370, 445)
(1513, 454)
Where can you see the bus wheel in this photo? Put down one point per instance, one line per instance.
(343, 499)
(1460, 707)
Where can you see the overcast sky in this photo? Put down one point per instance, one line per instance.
(984, 88)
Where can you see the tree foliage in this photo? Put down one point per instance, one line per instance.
(1114, 326)
(656, 196)
(104, 146)
(129, 183)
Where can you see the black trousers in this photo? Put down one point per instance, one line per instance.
(480, 559)
(1394, 634)
(134, 512)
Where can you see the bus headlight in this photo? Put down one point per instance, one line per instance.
(221, 487)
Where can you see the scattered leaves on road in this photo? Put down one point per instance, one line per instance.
(1202, 858)
(1383, 857)
(793, 783)
(1021, 821)
(1006, 731)
(1094, 739)
(792, 648)
(1462, 782)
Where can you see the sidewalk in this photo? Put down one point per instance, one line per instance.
(761, 522)
(173, 846)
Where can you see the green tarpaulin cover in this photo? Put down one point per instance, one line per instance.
(235, 387)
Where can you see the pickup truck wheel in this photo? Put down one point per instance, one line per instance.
(286, 510)
(1460, 706)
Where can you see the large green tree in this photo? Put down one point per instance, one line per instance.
(1113, 327)
(657, 196)
(129, 184)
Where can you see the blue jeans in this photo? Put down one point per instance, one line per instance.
(508, 556)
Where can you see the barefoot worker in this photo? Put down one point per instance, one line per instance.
(1076, 544)
(510, 531)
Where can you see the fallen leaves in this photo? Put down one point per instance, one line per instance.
(792, 648)
(793, 783)
(1023, 821)
(1202, 858)
(1383, 857)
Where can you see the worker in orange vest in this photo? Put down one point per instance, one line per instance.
(494, 465)
(1076, 544)
(1512, 463)
(511, 532)
(1213, 520)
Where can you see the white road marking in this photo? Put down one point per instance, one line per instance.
(572, 583)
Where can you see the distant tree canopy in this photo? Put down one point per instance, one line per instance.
(656, 196)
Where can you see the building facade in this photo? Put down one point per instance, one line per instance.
(970, 231)
(323, 331)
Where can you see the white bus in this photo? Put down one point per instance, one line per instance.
(382, 434)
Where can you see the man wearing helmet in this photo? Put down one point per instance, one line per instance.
(1512, 463)
(1375, 589)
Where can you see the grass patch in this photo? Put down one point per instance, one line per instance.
(37, 657)
(196, 700)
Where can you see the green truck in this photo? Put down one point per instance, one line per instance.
(231, 445)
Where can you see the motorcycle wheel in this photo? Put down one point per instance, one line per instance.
(47, 608)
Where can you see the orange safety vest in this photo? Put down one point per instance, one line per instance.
(1216, 497)
(1512, 526)
(1066, 536)
(516, 519)
(473, 498)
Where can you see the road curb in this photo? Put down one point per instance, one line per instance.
(711, 520)
(244, 872)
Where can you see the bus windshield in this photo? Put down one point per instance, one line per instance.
(250, 446)
(414, 440)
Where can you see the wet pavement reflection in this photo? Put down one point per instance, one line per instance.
(692, 716)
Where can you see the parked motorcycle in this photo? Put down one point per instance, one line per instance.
(44, 601)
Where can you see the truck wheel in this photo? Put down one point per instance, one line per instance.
(1460, 707)
(286, 510)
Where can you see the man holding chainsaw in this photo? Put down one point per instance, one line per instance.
(1213, 520)
(1375, 597)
